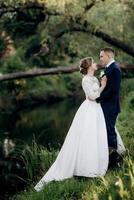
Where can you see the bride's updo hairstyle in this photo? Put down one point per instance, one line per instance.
(85, 63)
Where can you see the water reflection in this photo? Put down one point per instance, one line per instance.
(48, 124)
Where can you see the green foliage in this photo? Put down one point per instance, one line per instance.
(73, 82)
(127, 74)
(24, 23)
(14, 63)
(126, 88)
(50, 86)
(2, 45)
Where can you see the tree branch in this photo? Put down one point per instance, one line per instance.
(87, 27)
(38, 72)
(89, 6)
(52, 71)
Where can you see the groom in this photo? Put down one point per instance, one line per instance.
(109, 99)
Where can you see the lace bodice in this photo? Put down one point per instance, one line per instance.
(90, 85)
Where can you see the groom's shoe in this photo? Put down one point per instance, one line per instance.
(115, 158)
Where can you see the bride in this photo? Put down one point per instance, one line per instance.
(85, 149)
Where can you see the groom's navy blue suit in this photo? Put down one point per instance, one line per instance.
(109, 100)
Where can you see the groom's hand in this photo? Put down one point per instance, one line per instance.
(103, 82)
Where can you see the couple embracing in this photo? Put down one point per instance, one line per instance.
(92, 142)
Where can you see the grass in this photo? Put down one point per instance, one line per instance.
(118, 184)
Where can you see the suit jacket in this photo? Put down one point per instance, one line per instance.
(109, 97)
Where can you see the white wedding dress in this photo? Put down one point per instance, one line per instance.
(85, 149)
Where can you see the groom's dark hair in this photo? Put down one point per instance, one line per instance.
(108, 49)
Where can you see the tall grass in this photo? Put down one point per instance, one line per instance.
(118, 184)
(37, 159)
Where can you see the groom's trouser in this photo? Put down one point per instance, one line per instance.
(110, 120)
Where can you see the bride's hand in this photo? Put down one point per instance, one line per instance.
(103, 81)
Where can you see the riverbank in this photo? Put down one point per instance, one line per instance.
(117, 184)
(26, 93)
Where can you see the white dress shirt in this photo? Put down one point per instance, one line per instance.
(110, 63)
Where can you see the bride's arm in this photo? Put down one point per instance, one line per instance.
(91, 89)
